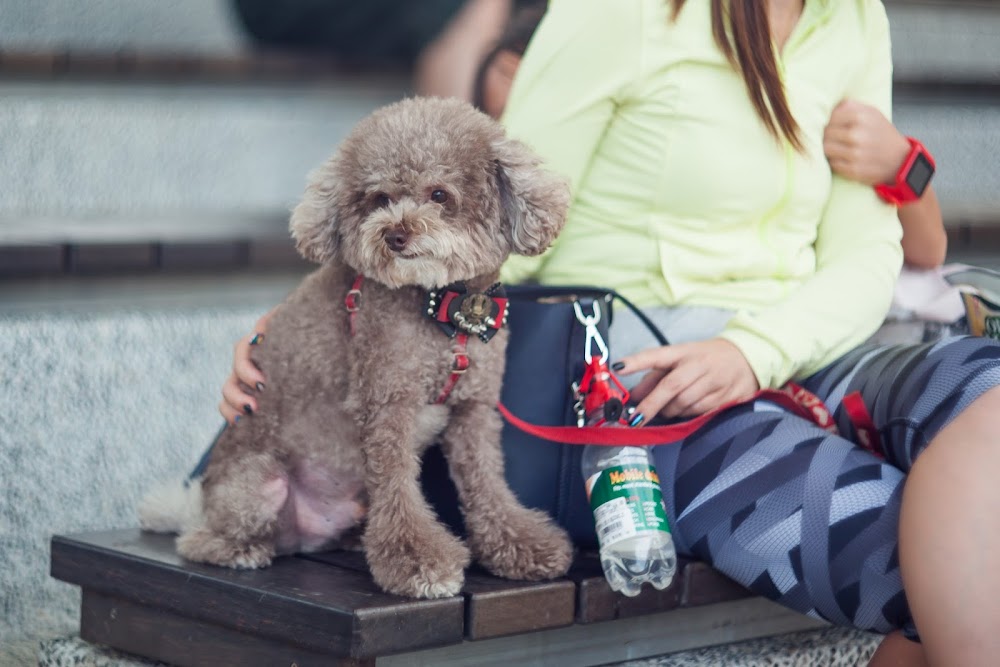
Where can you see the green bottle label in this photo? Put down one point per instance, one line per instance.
(626, 501)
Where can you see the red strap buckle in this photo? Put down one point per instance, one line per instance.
(459, 360)
(353, 300)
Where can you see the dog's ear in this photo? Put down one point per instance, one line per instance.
(533, 201)
(313, 223)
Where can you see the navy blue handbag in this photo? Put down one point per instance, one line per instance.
(545, 355)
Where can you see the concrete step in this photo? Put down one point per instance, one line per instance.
(945, 40)
(962, 130)
(84, 150)
(206, 27)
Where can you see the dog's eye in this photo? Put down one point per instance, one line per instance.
(381, 200)
(439, 196)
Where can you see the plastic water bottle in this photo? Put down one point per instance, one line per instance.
(631, 520)
(622, 484)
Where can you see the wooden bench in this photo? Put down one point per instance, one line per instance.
(323, 609)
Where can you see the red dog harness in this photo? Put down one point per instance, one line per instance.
(458, 313)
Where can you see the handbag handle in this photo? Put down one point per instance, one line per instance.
(607, 295)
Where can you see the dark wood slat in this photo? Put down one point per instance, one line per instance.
(499, 607)
(128, 62)
(495, 607)
(597, 602)
(219, 255)
(303, 602)
(32, 260)
(703, 585)
(274, 253)
(112, 257)
(174, 639)
(28, 63)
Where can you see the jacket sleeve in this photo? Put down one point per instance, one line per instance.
(858, 258)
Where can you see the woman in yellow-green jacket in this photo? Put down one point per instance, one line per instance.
(692, 134)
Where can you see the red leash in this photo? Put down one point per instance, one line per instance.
(794, 398)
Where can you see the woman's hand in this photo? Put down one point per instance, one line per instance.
(237, 395)
(688, 379)
(862, 145)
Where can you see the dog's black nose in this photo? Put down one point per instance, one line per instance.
(397, 238)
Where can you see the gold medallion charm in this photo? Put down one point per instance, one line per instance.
(476, 308)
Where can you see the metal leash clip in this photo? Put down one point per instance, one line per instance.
(594, 337)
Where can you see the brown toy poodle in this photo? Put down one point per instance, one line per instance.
(395, 343)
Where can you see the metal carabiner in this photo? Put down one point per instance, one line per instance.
(594, 337)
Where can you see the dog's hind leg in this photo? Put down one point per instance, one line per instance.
(242, 507)
(506, 538)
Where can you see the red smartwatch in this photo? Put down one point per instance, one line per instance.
(911, 179)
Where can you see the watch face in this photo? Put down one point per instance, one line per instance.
(919, 175)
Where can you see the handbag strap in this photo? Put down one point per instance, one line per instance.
(600, 293)
(794, 398)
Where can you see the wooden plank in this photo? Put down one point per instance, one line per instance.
(28, 63)
(499, 607)
(265, 253)
(617, 641)
(597, 602)
(220, 255)
(703, 585)
(112, 257)
(302, 602)
(495, 607)
(176, 640)
(32, 260)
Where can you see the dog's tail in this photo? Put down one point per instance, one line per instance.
(173, 507)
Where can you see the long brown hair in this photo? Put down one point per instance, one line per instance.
(742, 31)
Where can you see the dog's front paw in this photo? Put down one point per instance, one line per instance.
(428, 566)
(523, 544)
(203, 546)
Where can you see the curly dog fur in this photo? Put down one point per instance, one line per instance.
(341, 429)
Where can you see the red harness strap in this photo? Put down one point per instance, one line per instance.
(792, 397)
(459, 364)
(460, 357)
(353, 301)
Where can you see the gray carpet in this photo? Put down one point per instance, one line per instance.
(830, 647)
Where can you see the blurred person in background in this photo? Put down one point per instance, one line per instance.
(441, 40)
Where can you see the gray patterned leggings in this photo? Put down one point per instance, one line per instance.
(810, 519)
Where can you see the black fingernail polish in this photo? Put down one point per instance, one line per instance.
(637, 420)
(618, 365)
(257, 339)
(247, 409)
(260, 386)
